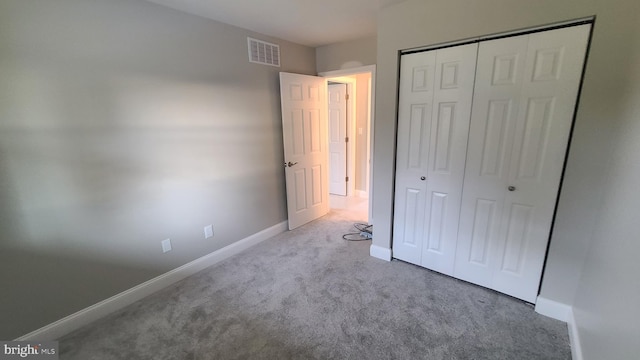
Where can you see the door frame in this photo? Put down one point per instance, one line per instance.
(370, 69)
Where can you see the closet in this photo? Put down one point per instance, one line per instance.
(483, 130)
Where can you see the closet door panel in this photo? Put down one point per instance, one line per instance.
(433, 124)
(414, 136)
(453, 92)
(549, 92)
(499, 78)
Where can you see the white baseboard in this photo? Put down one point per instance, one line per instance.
(553, 309)
(562, 312)
(574, 338)
(380, 252)
(362, 194)
(94, 312)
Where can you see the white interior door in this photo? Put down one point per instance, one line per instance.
(526, 89)
(304, 132)
(338, 139)
(436, 88)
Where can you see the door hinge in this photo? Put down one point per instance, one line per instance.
(346, 139)
(346, 179)
(346, 96)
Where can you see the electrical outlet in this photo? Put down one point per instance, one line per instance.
(166, 245)
(208, 231)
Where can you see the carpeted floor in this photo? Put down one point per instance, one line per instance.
(308, 294)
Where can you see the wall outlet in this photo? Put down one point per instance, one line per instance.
(166, 245)
(208, 231)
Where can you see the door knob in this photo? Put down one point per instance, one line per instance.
(511, 188)
(290, 164)
(423, 178)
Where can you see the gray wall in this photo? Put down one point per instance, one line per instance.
(123, 123)
(606, 303)
(346, 55)
(606, 124)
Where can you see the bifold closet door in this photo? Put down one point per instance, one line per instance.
(523, 107)
(436, 89)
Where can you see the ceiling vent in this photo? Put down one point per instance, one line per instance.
(262, 52)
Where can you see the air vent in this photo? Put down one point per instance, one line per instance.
(263, 52)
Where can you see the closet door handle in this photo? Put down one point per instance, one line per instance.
(511, 188)
(423, 178)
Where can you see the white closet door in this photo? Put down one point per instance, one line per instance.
(516, 154)
(414, 133)
(455, 70)
(436, 89)
(496, 101)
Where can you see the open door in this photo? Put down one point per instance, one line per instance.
(304, 132)
(338, 139)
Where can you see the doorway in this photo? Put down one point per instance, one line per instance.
(360, 83)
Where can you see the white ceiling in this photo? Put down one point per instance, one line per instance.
(307, 22)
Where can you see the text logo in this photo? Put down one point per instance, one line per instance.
(28, 350)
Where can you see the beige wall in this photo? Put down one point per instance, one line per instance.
(606, 107)
(123, 123)
(362, 127)
(346, 55)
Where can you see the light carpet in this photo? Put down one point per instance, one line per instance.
(308, 294)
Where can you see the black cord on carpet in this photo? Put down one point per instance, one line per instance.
(365, 233)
